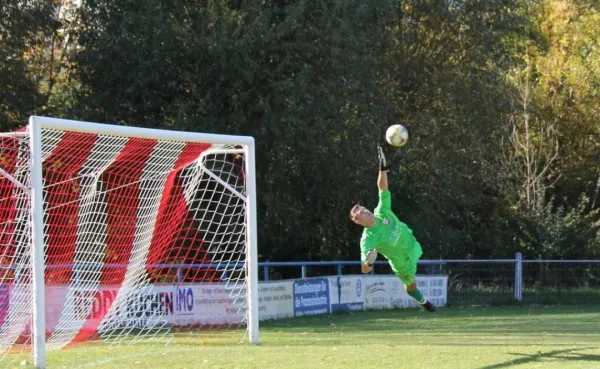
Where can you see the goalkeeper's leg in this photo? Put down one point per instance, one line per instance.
(416, 294)
(410, 284)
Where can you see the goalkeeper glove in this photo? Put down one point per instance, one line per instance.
(387, 157)
(371, 257)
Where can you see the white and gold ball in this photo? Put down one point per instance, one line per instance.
(396, 135)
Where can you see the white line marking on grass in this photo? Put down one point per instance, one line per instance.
(115, 358)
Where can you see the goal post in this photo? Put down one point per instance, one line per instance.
(37, 244)
(122, 233)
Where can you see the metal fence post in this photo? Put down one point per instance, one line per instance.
(518, 276)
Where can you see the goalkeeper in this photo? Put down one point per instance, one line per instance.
(385, 234)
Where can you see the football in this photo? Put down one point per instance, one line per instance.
(396, 135)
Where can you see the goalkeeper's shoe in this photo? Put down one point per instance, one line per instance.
(427, 305)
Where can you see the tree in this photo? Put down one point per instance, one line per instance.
(533, 145)
(567, 70)
(297, 77)
(445, 77)
(23, 26)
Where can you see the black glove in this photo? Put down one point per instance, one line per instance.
(388, 156)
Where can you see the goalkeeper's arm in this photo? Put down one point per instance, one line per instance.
(385, 164)
(384, 167)
(371, 257)
(365, 268)
(382, 180)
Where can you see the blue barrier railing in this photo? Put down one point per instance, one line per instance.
(228, 267)
(338, 264)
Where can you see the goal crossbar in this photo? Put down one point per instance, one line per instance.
(148, 133)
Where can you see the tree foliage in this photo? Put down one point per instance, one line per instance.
(561, 220)
(23, 26)
(568, 77)
(315, 82)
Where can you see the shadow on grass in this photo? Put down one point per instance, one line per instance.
(540, 296)
(505, 320)
(563, 355)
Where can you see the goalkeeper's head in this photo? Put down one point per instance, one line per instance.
(362, 216)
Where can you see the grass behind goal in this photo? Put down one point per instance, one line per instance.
(454, 338)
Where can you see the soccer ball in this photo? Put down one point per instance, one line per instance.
(396, 135)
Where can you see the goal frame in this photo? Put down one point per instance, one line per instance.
(36, 123)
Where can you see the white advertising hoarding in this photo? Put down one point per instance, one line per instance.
(378, 291)
(214, 303)
(172, 304)
(177, 304)
(385, 292)
(346, 293)
(275, 300)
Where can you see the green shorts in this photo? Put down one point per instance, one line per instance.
(408, 274)
(406, 268)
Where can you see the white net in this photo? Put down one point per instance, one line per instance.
(143, 238)
(15, 241)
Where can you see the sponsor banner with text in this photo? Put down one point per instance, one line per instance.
(385, 292)
(275, 300)
(346, 293)
(218, 303)
(311, 297)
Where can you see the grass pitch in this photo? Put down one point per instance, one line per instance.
(453, 338)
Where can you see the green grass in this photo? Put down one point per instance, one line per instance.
(496, 296)
(562, 337)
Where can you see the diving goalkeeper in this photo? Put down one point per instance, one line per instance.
(385, 234)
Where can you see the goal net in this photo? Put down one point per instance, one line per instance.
(135, 234)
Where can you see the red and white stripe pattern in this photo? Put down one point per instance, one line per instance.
(115, 207)
(14, 240)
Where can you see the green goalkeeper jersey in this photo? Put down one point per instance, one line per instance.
(392, 238)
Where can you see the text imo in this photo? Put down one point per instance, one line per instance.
(185, 299)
